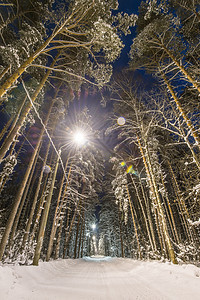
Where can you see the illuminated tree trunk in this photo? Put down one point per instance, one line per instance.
(171, 217)
(45, 217)
(30, 218)
(22, 115)
(69, 210)
(134, 223)
(181, 203)
(181, 68)
(83, 237)
(81, 233)
(59, 208)
(4, 72)
(77, 232)
(58, 240)
(3, 131)
(149, 216)
(23, 198)
(183, 114)
(148, 167)
(120, 231)
(20, 193)
(41, 203)
(68, 234)
(143, 213)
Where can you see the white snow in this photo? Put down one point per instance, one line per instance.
(100, 278)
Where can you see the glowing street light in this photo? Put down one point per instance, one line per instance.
(79, 138)
(93, 226)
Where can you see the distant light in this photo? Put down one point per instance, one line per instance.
(121, 121)
(79, 137)
(94, 237)
(93, 226)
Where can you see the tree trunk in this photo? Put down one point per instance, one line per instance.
(81, 232)
(149, 216)
(77, 232)
(23, 198)
(134, 223)
(57, 213)
(19, 122)
(83, 237)
(182, 69)
(188, 122)
(172, 222)
(5, 128)
(68, 234)
(30, 219)
(45, 217)
(120, 231)
(143, 212)
(20, 193)
(155, 192)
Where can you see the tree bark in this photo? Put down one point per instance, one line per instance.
(19, 122)
(45, 217)
(19, 194)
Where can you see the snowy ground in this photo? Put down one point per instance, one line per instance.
(100, 278)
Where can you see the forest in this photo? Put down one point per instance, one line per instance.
(97, 157)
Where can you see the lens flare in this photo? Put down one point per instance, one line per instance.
(123, 164)
(129, 169)
(47, 169)
(121, 121)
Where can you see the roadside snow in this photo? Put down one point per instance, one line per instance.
(98, 278)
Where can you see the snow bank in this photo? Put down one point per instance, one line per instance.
(103, 278)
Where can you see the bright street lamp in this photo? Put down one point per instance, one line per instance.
(93, 226)
(79, 137)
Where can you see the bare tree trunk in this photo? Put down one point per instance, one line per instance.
(30, 219)
(172, 222)
(81, 232)
(83, 237)
(23, 198)
(45, 217)
(155, 192)
(143, 212)
(120, 231)
(188, 122)
(5, 128)
(161, 214)
(57, 213)
(181, 204)
(22, 116)
(4, 72)
(68, 234)
(134, 223)
(77, 232)
(149, 216)
(57, 250)
(20, 193)
(181, 68)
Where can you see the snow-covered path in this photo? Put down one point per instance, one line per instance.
(100, 278)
